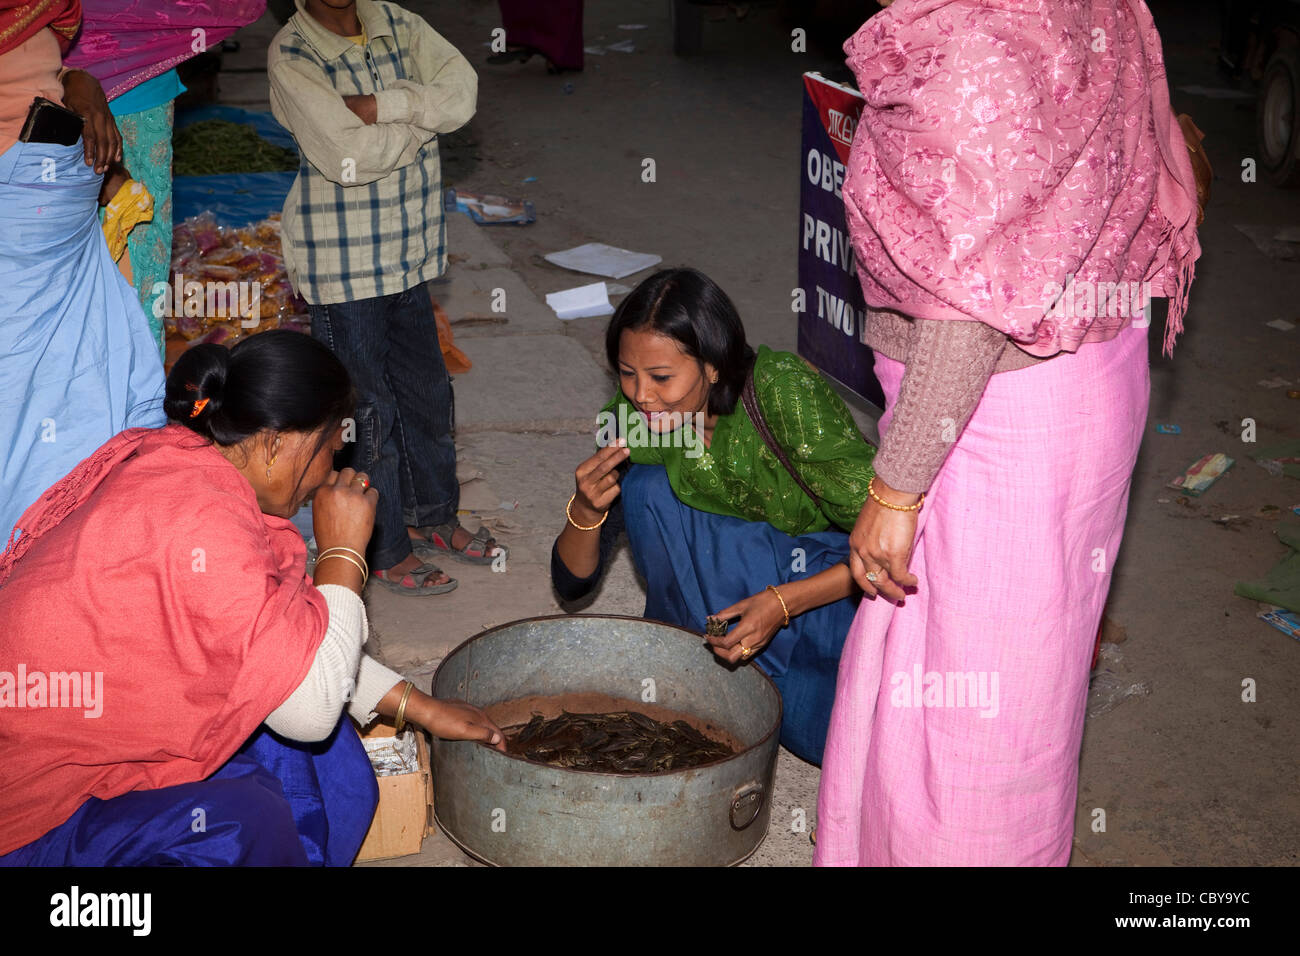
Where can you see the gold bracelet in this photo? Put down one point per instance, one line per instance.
(360, 557)
(400, 720)
(568, 514)
(344, 557)
(871, 490)
(772, 588)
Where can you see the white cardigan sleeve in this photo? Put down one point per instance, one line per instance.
(339, 676)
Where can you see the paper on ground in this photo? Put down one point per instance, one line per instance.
(583, 302)
(599, 259)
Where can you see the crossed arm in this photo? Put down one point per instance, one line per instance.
(358, 139)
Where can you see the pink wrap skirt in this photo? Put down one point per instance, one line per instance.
(959, 715)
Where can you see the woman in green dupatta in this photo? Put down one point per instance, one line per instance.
(718, 525)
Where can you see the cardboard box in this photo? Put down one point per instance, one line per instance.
(404, 816)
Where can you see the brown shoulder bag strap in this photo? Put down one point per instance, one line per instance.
(749, 398)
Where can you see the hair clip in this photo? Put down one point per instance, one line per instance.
(198, 407)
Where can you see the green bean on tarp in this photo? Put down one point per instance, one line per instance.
(213, 147)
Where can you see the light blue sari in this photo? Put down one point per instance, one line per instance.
(77, 361)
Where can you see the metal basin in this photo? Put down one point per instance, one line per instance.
(507, 811)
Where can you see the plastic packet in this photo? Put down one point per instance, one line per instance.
(392, 756)
(206, 233)
(1108, 690)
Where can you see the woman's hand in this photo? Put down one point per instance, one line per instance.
(448, 719)
(882, 541)
(456, 720)
(343, 511)
(761, 616)
(84, 96)
(597, 483)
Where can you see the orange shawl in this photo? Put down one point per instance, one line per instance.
(184, 612)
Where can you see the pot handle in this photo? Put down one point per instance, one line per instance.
(745, 805)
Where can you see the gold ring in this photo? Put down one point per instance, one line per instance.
(745, 652)
(871, 576)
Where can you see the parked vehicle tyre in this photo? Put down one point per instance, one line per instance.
(1277, 118)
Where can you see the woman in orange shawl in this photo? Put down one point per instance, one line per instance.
(171, 680)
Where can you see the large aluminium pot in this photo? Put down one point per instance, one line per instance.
(507, 811)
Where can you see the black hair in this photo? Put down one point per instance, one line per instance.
(689, 307)
(278, 380)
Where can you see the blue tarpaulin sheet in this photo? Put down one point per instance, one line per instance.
(235, 199)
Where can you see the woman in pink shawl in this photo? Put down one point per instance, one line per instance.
(1017, 189)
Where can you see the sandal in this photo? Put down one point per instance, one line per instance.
(436, 540)
(417, 577)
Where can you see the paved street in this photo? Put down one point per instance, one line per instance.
(1190, 774)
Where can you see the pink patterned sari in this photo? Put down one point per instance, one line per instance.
(1007, 148)
(125, 42)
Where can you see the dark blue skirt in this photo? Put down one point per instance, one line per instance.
(696, 563)
(275, 803)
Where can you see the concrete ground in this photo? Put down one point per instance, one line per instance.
(1188, 775)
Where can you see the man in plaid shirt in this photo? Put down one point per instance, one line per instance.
(365, 88)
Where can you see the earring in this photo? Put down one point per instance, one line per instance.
(274, 455)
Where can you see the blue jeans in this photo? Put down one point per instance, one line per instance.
(405, 412)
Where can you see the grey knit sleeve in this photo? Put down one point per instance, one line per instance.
(948, 366)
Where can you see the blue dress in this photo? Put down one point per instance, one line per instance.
(696, 563)
(78, 363)
(274, 803)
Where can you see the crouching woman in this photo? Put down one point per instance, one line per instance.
(730, 511)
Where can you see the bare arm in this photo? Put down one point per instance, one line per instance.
(597, 489)
(761, 614)
(448, 719)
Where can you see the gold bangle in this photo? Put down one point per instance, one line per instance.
(772, 588)
(400, 720)
(344, 557)
(871, 490)
(568, 514)
(360, 557)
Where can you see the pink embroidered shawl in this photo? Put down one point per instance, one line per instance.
(125, 42)
(1007, 146)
